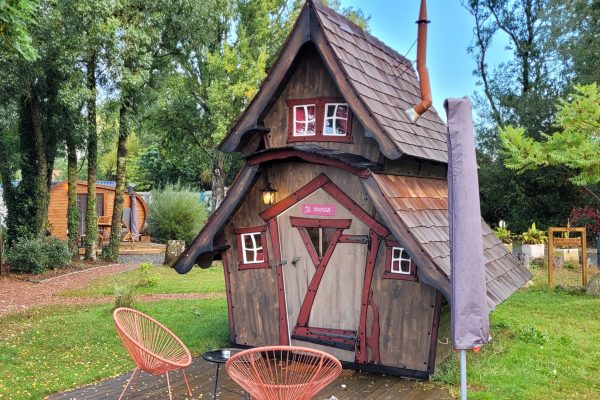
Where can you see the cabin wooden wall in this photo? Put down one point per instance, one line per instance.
(406, 309)
(254, 292)
(57, 207)
(311, 79)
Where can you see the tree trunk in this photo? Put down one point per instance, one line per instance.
(112, 252)
(218, 180)
(41, 201)
(91, 216)
(72, 206)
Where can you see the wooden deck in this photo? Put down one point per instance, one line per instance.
(131, 248)
(350, 385)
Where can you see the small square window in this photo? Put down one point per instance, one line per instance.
(336, 119)
(398, 263)
(305, 120)
(252, 252)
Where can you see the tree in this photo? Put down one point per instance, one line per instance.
(521, 91)
(16, 19)
(575, 147)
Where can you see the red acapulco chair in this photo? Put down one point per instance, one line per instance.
(283, 372)
(154, 348)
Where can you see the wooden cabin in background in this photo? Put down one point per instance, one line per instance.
(105, 195)
(334, 234)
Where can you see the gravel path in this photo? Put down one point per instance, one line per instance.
(17, 295)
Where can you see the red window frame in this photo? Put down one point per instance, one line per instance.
(262, 230)
(388, 274)
(320, 103)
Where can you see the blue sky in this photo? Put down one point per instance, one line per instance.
(449, 35)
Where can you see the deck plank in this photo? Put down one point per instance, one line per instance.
(350, 385)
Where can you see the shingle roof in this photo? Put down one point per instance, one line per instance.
(422, 206)
(387, 84)
(382, 82)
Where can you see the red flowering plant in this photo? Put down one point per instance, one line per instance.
(588, 217)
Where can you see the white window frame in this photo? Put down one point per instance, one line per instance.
(306, 121)
(335, 118)
(402, 257)
(254, 249)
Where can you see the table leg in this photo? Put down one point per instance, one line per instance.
(216, 382)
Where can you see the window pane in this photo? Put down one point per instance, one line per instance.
(329, 126)
(311, 128)
(342, 127)
(330, 110)
(300, 127)
(311, 113)
(248, 244)
(405, 266)
(395, 266)
(313, 234)
(300, 114)
(342, 112)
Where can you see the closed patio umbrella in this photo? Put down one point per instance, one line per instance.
(133, 219)
(470, 310)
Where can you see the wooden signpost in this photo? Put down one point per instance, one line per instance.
(566, 242)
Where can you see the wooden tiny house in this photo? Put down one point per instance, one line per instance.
(105, 195)
(352, 254)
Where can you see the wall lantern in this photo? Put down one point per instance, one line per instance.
(269, 193)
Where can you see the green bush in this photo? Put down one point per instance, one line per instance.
(175, 214)
(57, 251)
(124, 296)
(38, 255)
(147, 276)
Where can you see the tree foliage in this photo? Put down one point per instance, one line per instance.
(16, 19)
(576, 144)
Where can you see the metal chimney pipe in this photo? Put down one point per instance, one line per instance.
(415, 112)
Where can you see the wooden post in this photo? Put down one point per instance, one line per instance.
(583, 257)
(550, 258)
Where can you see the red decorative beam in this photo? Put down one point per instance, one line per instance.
(320, 223)
(294, 198)
(312, 158)
(355, 209)
(361, 356)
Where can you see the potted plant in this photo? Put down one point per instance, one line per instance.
(505, 235)
(533, 242)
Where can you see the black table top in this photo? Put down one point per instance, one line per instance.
(218, 355)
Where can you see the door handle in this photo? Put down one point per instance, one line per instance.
(295, 261)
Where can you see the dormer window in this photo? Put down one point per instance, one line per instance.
(304, 120)
(336, 119)
(319, 119)
(398, 263)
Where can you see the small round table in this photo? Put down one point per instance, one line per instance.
(220, 356)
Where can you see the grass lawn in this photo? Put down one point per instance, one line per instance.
(546, 345)
(198, 280)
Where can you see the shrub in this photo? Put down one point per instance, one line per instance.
(28, 255)
(124, 296)
(57, 251)
(533, 236)
(175, 214)
(38, 254)
(503, 233)
(147, 277)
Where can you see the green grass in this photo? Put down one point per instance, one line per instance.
(546, 345)
(198, 280)
(51, 349)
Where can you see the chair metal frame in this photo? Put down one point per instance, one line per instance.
(283, 372)
(144, 338)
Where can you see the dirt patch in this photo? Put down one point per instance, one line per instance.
(75, 267)
(18, 294)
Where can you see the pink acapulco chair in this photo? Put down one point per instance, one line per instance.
(153, 347)
(283, 372)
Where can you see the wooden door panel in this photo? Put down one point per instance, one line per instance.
(337, 301)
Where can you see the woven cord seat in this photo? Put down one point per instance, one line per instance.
(154, 348)
(283, 372)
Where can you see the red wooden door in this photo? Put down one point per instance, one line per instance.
(324, 272)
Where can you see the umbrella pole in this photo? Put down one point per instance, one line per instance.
(463, 375)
